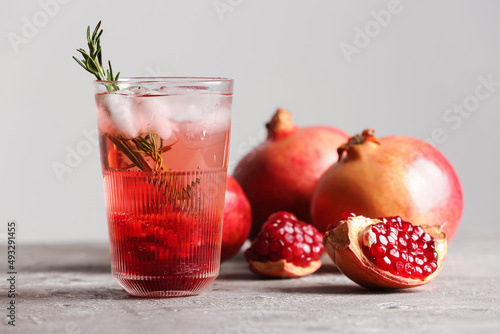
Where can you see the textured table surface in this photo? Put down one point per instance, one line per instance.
(69, 289)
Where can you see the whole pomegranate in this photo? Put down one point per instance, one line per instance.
(281, 173)
(237, 219)
(395, 175)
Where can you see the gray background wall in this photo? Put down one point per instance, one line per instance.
(402, 80)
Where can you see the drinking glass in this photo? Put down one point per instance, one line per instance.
(164, 151)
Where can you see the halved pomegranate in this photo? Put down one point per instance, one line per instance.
(285, 247)
(387, 252)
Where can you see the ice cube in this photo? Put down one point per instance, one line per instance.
(187, 114)
(210, 129)
(119, 108)
(153, 115)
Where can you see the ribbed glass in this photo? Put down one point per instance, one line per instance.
(164, 152)
(165, 230)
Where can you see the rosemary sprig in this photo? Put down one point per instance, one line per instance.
(139, 148)
(92, 60)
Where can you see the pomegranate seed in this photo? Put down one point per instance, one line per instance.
(426, 237)
(394, 254)
(431, 255)
(402, 241)
(418, 230)
(299, 237)
(288, 238)
(275, 245)
(419, 251)
(262, 248)
(383, 240)
(276, 232)
(378, 250)
(428, 270)
(287, 254)
(409, 270)
(404, 235)
(394, 224)
(397, 268)
(401, 248)
(384, 263)
(316, 252)
(308, 239)
(289, 229)
(418, 272)
(419, 260)
(308, 230)
(378, 229)
(407, 227)
(297, 249)
(391, 239)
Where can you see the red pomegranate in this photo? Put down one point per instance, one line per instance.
(285, 247)
(237, 219)
(281, 173)
(392, 176)
(386, 253)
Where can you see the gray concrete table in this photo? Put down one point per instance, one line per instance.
(69, 289)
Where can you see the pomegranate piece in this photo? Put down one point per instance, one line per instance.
(386, 252)
(285, 247)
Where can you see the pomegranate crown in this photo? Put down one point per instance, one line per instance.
(280, 123)
(366, 135)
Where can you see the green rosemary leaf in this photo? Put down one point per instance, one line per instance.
(88, 33)
(81, 64)
(110, 72)
(96, 30)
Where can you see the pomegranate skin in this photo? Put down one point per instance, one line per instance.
(237, 219)
(281, 173)
(399, 176)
